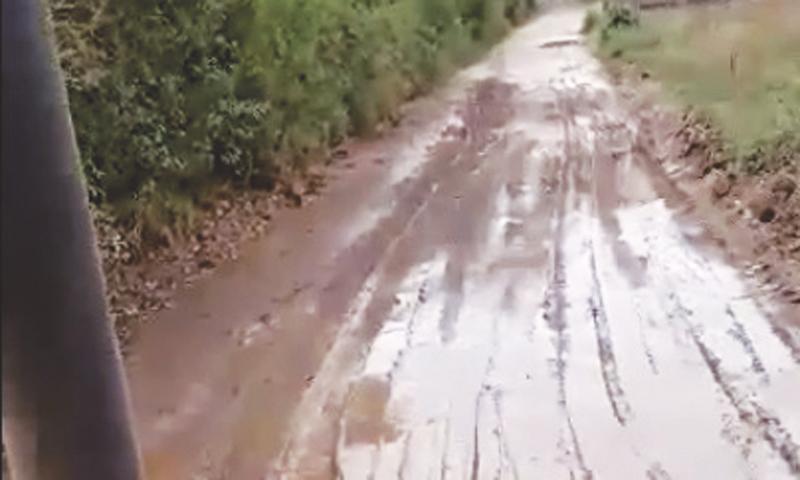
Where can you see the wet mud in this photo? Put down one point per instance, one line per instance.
(510, 294)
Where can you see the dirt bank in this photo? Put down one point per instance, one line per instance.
(143, 279)
(766, 202)
(735, 152)
(754, 215)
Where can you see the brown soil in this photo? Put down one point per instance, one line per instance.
(527, 266)
(755, 215)
(768, 202)
(141, 280)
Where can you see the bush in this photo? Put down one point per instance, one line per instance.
(171, 96)
(590, 21)
(616, 17)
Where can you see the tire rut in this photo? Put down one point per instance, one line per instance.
(555, 301)
(738, 332)
(750, 412)
(605, 349)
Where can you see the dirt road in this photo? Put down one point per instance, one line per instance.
(503, 287)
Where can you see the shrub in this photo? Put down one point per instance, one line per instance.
(590, 21)
(171, 96)
(616, 16)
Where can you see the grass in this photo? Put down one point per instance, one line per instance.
(740, 65)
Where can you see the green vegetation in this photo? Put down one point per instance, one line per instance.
(740, 66)
(590, 21)
(171, 98)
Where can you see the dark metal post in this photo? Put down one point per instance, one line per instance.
(65, 404)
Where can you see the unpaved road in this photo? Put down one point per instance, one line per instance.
(502, 288)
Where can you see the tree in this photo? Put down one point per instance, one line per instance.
(65, 405)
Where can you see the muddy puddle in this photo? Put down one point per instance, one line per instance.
(507, 295)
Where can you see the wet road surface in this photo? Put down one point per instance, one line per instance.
(500, 289)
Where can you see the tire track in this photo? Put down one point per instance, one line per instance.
(335, 401)
(405, 457)
(443, 467)
(485, 388)
(503, 447)
(657, 472)
(605, 349)
(787, 339)
(411, 326)
(648, 349)
(454, 291)
(554, 305)
(555, 301)
(749, 411)
(739, 333)
(476, 453)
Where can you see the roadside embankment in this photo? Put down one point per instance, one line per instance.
(734, 70)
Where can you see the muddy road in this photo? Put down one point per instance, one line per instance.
(504, 287)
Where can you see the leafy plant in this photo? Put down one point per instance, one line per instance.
(616, 16)
(171, 96)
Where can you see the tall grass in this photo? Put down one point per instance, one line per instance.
(171, 97)
(740, 65)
